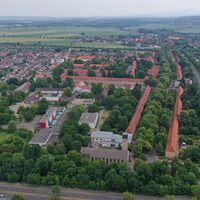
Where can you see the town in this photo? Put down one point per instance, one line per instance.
(121, 118)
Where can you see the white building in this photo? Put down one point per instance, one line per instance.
(106, 139)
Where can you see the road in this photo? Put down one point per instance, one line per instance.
(194, 70)
(44, 193)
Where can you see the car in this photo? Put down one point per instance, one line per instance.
(1, 195)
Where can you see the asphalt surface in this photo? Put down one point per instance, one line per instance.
(44, 193)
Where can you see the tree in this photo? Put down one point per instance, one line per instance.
(68, 92)
(12, 126)
(196, 191)
(91, 73)
(55, 192)
(68, 83)
(43, 105)
(127, 196)
(41, 82)
(169, 197)
(93, 108)
(17, 197)
(70, 72)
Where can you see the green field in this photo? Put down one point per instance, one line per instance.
(58, 36)
(69, 31)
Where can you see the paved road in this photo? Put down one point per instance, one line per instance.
(194, 70)
(44, 193)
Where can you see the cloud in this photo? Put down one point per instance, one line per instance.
(93, 7)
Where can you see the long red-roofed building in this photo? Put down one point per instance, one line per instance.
(137, 115)
(78, 65)
(172, 141)
(179, 72)
(133, 68)
(122, 82)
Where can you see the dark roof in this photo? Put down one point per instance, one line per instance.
(105, 153)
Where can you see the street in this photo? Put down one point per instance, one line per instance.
(44, 193)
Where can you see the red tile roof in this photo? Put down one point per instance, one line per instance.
(133, 68)
(105, 80)
(86, 57)
(40, 75)
(172, 142)
(78, 65)
(137, 115)
(153, 71)
(82, 86)
(179, 72)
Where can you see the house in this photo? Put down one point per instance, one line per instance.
(51, 94)
(81, 87)
(120, 82)
(106, 139)
(107, 155)
(89, 118)
(47, 119)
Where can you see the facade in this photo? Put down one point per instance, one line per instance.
(47, 119)
(107, 155)
(89, 118)
(106, 139)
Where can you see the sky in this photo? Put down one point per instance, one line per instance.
(94, 8)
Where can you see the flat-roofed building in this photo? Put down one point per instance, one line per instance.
(106, 139)
(47, 136)
(89, 118)
(107, 155)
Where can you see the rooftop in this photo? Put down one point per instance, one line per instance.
(88, 118)
(105, 153)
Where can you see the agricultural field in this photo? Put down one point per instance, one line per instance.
(60, 31)
(58, 36)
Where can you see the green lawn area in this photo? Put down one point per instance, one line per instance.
(4, 136)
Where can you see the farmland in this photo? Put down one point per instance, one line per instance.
(58, 36)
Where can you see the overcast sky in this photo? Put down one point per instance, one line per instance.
(75, 8)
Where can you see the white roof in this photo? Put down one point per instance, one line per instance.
(102, 134)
